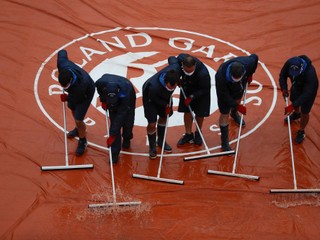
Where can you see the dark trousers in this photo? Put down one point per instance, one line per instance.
(126, 132)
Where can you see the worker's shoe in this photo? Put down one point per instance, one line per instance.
(300, 137)
(186, 138)
(197, 138)
(82, 145)
(73, 133)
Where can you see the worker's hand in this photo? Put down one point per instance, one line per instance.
(188, 100)
(111, 140)
(104, 105)
(63, 97)
(288, 110)
(168, 110)
(242, 109)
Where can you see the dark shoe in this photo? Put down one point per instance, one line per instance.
(197, 139)
(167, 147)
(300, 136)
(126, 143)
(73, 133)
(152, 146)
(115, 158)
(82, 145)
(293, 116)
(152, 152)
(187, 138)
(236, 117)
(226, 148)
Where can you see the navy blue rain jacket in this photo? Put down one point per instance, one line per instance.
(126, 102)
(305, 84)
(229, 91)
(83, 88)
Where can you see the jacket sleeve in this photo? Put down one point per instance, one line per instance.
(156, 97)
(283, 76)
(62, 59)
(172, 60)
(204, 81)
(252, 65)
(223, 91)
(98, 85)
(175, 65)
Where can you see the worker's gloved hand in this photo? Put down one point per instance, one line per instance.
(104, 106)
(63, 97)
(242, 109)
(288, 110)
(188, 100)
(111, 140)
(168, 110)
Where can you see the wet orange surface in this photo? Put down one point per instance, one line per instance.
(103, 36)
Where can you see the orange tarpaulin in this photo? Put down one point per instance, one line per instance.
(134, 39)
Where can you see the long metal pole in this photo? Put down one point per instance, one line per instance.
(65, 133)
(239, 132)
(111, 166)
(291, 150)
(164, 141)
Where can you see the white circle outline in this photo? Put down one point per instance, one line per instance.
(160, 29)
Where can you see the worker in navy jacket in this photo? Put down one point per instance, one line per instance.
(80, 88)
(303, 91)
(195, 83)
(157, 101)
(118, 95)
(231, 80)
